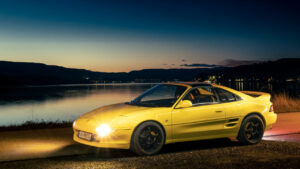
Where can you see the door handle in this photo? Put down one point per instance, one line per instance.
(219, 111)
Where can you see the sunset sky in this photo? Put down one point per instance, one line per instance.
(114, 36)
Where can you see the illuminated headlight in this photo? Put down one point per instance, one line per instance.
(74, 123)
(103, 130)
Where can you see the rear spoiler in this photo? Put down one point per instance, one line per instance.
(258, 95)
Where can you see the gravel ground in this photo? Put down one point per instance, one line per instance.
(221, 153)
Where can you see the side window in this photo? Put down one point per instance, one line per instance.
(226, 96)
(201, 95)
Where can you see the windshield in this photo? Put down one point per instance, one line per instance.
(162, 95)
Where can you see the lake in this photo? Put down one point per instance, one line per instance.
(67, 102)
(61, 102)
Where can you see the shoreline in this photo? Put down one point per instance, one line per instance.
(81, 84)
(31, 125)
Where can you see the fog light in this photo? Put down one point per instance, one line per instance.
(103, 130)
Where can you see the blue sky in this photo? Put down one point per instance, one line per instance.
(115, 36)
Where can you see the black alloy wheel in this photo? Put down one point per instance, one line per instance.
(252, 130)
(148, 139)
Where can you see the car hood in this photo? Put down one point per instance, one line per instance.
(108, 113)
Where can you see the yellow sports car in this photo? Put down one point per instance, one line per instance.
(177, 112)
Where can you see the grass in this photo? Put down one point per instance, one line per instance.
(29, 125)
(219, 154)
(284, 103)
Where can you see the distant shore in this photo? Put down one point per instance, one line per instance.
(83, 84)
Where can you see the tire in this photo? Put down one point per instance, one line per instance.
(147, 139)
(251, 130)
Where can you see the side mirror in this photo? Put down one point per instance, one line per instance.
(184, 104)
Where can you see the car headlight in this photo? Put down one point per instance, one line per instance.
(103, 130)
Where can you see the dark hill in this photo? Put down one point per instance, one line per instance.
(22, 73)
(282, 75)
(279, 69)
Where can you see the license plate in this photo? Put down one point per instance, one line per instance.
(85, 135)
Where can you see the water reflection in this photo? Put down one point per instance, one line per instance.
(61, 103)
(67, 102)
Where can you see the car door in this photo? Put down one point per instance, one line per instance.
(204, 119)
(232, 105)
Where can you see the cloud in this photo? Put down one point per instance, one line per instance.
(224, 63)
(199, 65)
(183, 60)
(233, 62)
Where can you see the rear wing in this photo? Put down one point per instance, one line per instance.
(258, 95)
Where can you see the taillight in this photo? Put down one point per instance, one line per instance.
(271, 108)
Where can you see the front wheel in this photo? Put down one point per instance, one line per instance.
(252, 130)
(147, 139)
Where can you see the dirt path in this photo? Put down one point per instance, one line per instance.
(219, 154)
(30, 144)
(287, 128)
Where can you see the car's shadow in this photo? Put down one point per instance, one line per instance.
(100, 153)
(199, 145)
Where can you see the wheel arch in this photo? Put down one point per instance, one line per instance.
(155, 121)
(258, 114)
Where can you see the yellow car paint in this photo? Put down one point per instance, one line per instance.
(180, 124)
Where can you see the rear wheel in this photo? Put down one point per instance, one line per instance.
(252, 130)
(147, 139)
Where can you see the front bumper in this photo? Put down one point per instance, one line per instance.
(119, 138)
